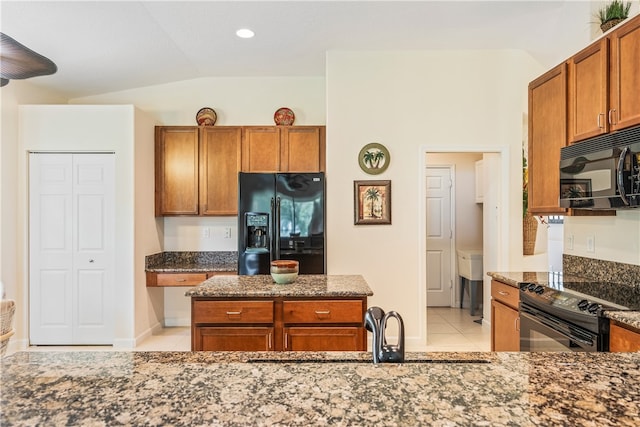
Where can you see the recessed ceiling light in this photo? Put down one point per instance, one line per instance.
(245, 33)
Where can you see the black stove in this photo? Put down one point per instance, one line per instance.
(580, 302)
(574, 309)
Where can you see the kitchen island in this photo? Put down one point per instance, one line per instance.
(252, 313)
(281, 388)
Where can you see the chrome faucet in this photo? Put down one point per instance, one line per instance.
(375, 321)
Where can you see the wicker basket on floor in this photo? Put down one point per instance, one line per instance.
(7, 310)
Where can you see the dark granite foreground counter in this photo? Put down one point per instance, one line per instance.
(237, 389)
(307, 285)
(554, 279)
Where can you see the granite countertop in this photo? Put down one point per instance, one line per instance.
(306, 285)
(227, 389)
(631, 318)
(191, 262)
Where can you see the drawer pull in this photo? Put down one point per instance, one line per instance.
(503, 293)
(181, 280)
(323, 312)
(234, 313)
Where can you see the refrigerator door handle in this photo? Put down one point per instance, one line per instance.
(272, 230)
(276, 231)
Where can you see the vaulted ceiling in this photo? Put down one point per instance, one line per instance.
(106, 46)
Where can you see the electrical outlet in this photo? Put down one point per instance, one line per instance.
(227, 232)
(591, 247)
(570, 242)
(206, 233)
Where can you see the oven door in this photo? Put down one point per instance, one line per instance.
(540, 331)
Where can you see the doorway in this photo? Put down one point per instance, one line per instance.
(495, 231)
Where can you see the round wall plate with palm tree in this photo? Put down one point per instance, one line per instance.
(374, 158)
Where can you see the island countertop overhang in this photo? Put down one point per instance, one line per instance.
(263, 286)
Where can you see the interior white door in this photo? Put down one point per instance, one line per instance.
(50, 249)
(72, 244)
(439, 237)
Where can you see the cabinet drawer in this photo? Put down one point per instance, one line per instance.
(233, 312)
(308, 338)
(322, 311)
(505, 294)
(234, 338)
(180, 279)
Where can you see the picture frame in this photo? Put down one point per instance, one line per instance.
(576, 188)
(372, 202)
(374, 158)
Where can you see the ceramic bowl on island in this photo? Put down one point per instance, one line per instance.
(284, 271)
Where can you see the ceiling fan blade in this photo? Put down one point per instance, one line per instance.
(19, 62)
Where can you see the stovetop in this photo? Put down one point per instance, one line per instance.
(580, 302)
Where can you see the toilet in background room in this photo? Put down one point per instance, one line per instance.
(470, 270)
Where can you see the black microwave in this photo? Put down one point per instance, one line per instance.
(602, 172)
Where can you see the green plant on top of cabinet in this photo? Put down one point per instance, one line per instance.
(604, 80)
(196, 170)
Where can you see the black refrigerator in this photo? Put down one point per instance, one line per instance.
(281, 216)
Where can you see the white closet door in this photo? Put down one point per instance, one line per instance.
(93, 248)
(50, 247)
(72, 226)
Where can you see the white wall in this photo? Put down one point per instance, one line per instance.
(12, 264)
(103, 128)
(616, 238)
(406, 101)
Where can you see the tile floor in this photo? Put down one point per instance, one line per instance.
(454, 329)
(448, 329)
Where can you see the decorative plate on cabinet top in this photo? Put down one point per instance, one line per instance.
(284, 117)
(206, 117)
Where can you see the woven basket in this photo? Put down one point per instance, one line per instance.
(529, 232)
(610, 24)
(7, 310)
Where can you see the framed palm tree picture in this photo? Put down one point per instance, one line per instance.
(372, 204)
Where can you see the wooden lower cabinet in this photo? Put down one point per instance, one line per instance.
(505, 317)
(623, 338)
(209, 338)
(278, 324)
(306, 338)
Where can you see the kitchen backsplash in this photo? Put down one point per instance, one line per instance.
(600, 270)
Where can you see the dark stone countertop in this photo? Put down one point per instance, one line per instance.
(191, 262)
(236, 389)
(306, 285)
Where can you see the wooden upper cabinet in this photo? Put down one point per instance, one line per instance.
(625, 75)
(547, 134)
(261, 149)
(604, 82)
(283, 149)
(303, 149)
(176, 163)
(219, 166)
(589, 92)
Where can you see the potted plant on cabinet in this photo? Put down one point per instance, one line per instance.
(612, 14)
